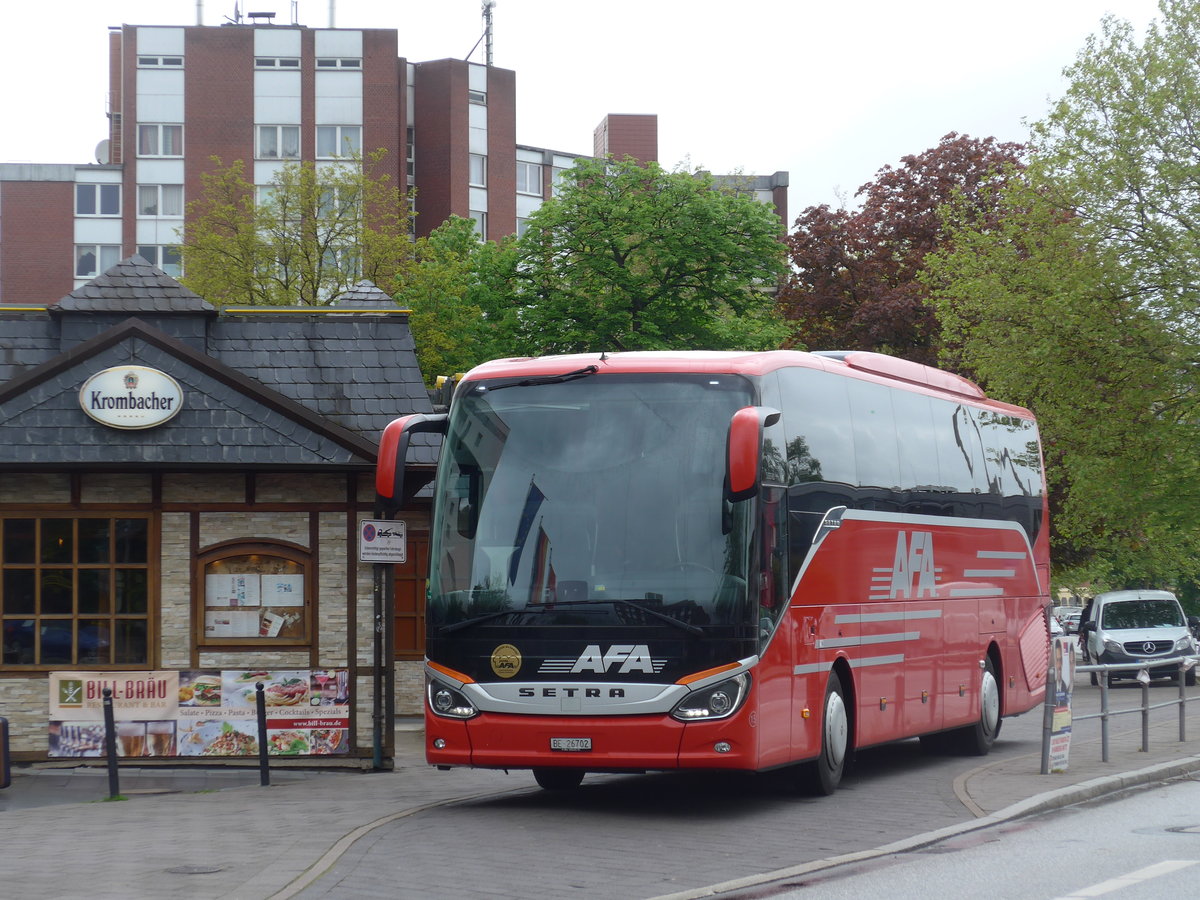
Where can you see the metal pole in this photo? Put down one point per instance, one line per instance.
(260, 706)
(377, 654)
(1182, 702)
(1146, 713)
(110, 745)
(1048, 719)
(1104, 716)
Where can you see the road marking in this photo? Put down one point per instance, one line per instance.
(1165, 867)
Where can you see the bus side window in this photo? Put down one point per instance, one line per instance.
(876, 453)
(820, 453)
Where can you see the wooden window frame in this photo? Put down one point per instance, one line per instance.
(217, 553)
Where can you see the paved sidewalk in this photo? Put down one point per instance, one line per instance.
(216, 833)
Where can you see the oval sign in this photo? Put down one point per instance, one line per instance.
(131, 397)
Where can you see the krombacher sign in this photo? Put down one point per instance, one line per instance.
(131, 397)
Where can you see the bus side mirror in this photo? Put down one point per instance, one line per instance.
(393, 450)
(743, 468)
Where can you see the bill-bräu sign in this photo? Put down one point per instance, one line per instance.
(131, 397)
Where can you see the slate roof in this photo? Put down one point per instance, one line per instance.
(364, 295)
(261, 388)
(133, 286)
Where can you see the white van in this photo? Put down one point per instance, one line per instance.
(1136, 627)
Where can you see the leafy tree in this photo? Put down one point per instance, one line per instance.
(855, 282)
(447, 288)
(631, 257)
(1078, 299)
(308, 235)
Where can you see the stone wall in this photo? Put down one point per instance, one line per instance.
(343, 624)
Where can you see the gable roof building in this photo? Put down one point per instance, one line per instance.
(237, 445)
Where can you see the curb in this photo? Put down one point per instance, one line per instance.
(1050, 800)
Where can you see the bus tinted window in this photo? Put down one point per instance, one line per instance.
(875, 448)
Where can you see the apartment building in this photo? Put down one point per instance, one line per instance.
(267, 94)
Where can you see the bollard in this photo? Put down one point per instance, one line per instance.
(5, 769)
(110, 746)
(260, 703)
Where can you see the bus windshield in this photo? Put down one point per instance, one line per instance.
(596, 499)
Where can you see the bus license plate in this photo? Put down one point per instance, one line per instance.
(570, 744)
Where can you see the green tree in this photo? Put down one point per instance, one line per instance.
(631, 257)
(302, 239)
(447, 288)
(1078, 299)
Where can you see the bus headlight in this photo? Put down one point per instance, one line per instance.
(448, 702)
(719, 701)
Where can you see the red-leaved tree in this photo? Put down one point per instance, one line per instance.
(854, 280)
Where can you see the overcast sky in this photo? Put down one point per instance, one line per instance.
(828, 90)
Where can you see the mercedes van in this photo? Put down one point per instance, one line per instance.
(1136, 627)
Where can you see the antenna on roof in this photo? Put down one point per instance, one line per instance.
(488, 5)
(237, 15)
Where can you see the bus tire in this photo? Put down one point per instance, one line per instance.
(826, 771)
(977, 739)
(558, 779)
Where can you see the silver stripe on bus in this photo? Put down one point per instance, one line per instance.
(809, 668)
(831, 643)
(989, 573)
(999, 554)
(977, 592)
(877, 661)
(858, 618)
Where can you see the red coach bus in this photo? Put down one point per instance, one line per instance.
(702, 560)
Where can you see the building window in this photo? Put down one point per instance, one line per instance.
(278, 142)
(411, 154)
(330, 62)
(165, 257)
(338, 140)
(477, 170)
(522, 226)
(160, 200)
(478, 97)
(97, 199)
(529, 178)
(276, 62)
(75, 591)
(92, 259)
(480, 218)
(160, 62)
(160, 140)
(254, 593)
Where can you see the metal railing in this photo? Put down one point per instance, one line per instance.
(1184, 666)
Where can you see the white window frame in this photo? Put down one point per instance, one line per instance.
(158, 139)
(158, 257)
(480, 218)
(529, 172)
(160, 62)
(476, 170)
(339, 62)
(276, 62)
(104, 257)
(97, 192)
(340, 135)
(279, 141)
(161, 193)
(477, 97)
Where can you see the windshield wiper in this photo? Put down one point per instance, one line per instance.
(545, 379)
(548, 607)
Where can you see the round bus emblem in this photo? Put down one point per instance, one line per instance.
(506, 660)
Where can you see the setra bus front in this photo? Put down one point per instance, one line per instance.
(598, 576)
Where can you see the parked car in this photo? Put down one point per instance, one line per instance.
(1067, 617)
(1136, 627)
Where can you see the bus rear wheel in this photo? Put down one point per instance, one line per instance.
(826, 772)
(977, 739)
(558, 779)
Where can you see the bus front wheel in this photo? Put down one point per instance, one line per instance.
(826, 773)
(558, 779)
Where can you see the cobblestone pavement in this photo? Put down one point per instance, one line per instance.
(418, 832)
